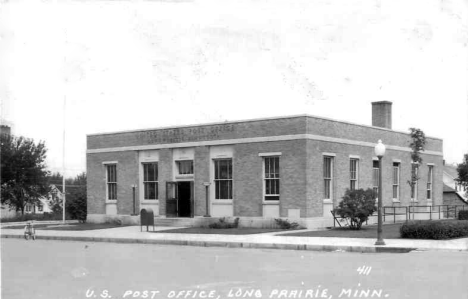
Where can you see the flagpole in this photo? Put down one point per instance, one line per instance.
(63, 159)
(64, 126)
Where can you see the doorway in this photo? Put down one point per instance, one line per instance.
(185, 199)
(179, 199)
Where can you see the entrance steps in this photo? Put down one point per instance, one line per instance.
(184, 222)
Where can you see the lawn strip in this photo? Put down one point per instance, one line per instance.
(226, 231)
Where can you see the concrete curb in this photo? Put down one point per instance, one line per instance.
(284, 246)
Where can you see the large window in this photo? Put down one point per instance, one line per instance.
(185, 167)
(223, 178)
(111, 179)
(272, 178)
(328, 177)
(396, 180)
(375, 177)
(429, 182)
(353, 174)
(150, 180)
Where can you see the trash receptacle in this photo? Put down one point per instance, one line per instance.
(146, 218)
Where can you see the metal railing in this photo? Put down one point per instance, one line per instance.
(442, 211)
(394, 214)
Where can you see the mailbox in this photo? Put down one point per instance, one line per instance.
(146, 218)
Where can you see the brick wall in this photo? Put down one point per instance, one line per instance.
(165, 174)
(301, 164)
(127, 174)
(248, 177)
(201, 175)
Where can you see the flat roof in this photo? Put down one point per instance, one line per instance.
(252, 120)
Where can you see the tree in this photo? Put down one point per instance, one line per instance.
(357, 206)
(75, 200)
(75, 204)
(462, 169)
(418, 143)
(23, 171)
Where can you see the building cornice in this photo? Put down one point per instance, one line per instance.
(253, 140)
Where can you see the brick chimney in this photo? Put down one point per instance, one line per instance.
(382, 114)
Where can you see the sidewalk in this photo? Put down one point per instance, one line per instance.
(132, 234)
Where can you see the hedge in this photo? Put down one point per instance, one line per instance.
(463, 215)
(436, 230)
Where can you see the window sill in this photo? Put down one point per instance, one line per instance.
(396, 200)
(111, 201)
(271, 202)
(222, 202)
(327, 200)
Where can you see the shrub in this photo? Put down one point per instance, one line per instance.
(285, 224)
(463, 215)
(357, 206)
(36, 217)
(223, 224)
(437, 230)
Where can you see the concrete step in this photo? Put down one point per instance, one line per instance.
(178, 222)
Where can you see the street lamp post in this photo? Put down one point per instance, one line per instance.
(207, 185)
(380, 152)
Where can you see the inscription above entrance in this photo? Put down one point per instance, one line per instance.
(186, 134)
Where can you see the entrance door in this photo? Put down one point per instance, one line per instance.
(171, 199)
(179, 199)
(185, 192)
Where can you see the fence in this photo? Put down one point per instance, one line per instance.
(405, 213)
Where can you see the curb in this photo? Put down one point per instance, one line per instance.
(284, 246)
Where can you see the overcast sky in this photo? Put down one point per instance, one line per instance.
(125, 65)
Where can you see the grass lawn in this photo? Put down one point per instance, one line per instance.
(390, 231)
(72, 227)
(220, 231)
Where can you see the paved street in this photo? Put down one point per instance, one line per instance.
(61, 269)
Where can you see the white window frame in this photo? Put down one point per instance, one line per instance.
(375, 178)
(330, 179)
(215, 180)
(265, 157)
(356, 173)
(430, 182)
(107, 165)
(184, 175)
(154, 182)
(415, 197)
(396, 182)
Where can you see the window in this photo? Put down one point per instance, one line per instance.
(353, 174)
(396, 180)
(414, 189)
(328, 177)
(111, 181)
(150, 180)
(272, 178)
(185, 167)
(40, 207)
(28, 208)
(223, 178)
(429, 182)
(375, 177)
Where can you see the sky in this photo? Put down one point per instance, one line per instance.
(103, 66)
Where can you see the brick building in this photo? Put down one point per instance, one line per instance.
(296, 167)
